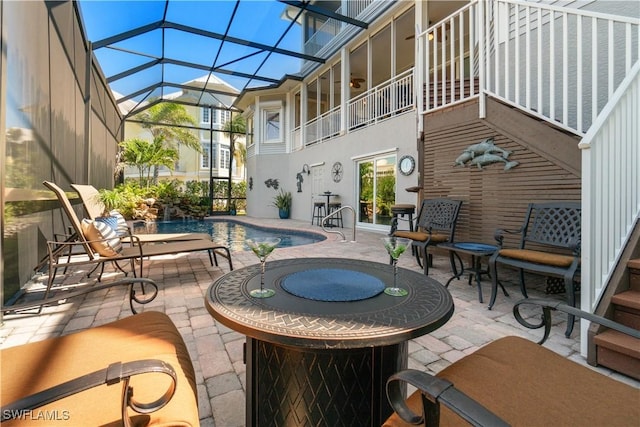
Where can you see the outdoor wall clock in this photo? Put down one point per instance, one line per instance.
(336, 172)
(407, 165)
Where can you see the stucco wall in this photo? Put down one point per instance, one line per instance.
(398, 132)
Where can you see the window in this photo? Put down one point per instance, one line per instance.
(272, 116)
(273, 125)
(205, 113)
(225, 116)
(249, 135)
(214, 156)
(204, 157)
(225, 157)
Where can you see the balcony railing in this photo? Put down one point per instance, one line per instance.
(390, 98)
(324, 126)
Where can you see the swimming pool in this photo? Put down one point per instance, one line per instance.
(231, 233)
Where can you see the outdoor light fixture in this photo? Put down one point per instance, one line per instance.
(441, 31)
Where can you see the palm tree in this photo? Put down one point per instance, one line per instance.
(234, 128)
(166, 122)
(144, 155)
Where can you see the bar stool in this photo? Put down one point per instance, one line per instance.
(402, 210)
(319, 212)
(336, 220)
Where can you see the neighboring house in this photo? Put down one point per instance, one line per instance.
(554, 84)
(215, 156)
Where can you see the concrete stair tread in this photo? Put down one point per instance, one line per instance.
(629, 299)
(619, 342)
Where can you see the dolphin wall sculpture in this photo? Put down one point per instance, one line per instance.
(484, 153)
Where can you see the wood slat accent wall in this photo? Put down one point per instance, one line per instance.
(493, 198)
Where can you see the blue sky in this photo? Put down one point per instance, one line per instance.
(255, 21)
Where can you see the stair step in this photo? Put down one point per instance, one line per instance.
(619, 352)
(628, 299)
(634, 274)
(627, 308)
(630, 319)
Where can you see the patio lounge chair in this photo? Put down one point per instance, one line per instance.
(513, 381)
(143, 297)
(133, 371)
(94, 208)
(100, 244)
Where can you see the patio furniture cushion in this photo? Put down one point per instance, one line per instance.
(422, 237)
(527, 384)
(36, 366)
(538, 257)
(102, 238)
(123, 227)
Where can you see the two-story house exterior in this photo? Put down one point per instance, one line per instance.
(214, 160)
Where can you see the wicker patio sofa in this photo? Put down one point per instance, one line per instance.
(514, 381)
(133, 371)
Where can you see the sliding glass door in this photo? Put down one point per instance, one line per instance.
(376, 189)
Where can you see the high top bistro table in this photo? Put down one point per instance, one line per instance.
(320, 362)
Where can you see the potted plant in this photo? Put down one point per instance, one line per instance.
(111, 200)
(233, 207)
(282, 201)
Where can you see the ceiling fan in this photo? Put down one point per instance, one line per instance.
(441, 37)
(355, 82)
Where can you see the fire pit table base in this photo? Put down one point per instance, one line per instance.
(300, 387)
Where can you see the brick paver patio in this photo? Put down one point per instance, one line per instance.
(216, 351)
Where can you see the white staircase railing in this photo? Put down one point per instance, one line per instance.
(610, 187)
(557, 63)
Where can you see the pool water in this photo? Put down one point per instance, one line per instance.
(230, 233)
